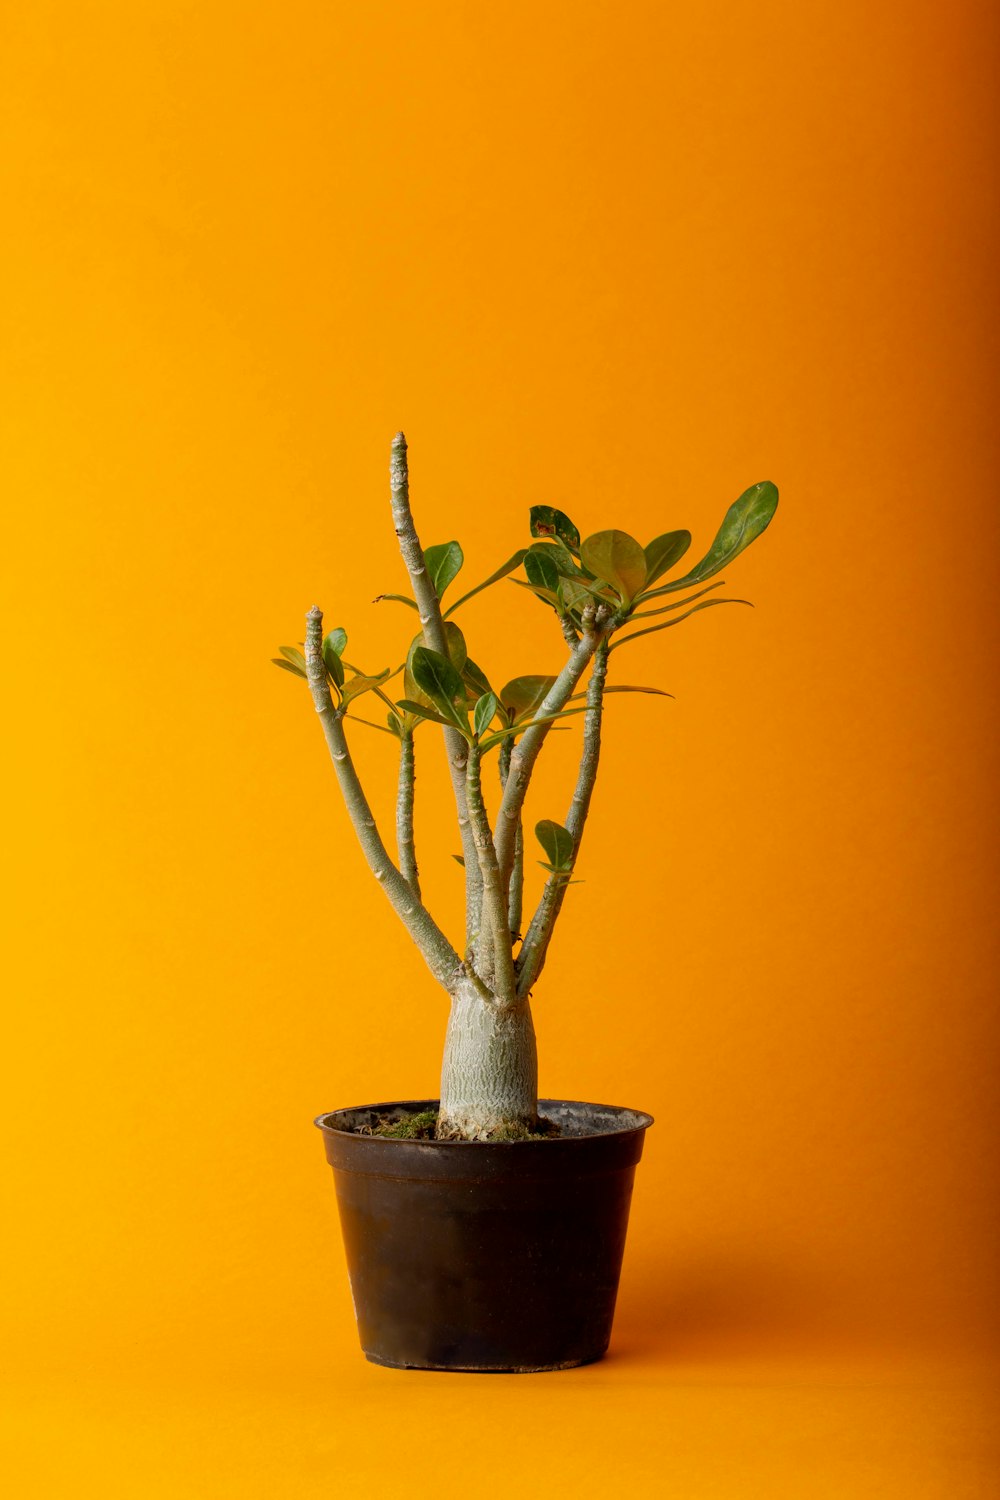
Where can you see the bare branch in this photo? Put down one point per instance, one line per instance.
(494, 903)
(440, 957)
(432, 624)
(515, 897)
(534, 949)
(404, 814)
(526, 753)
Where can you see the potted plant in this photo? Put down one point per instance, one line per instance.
(485, 1230)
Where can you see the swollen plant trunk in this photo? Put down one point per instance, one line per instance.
(489, 1078)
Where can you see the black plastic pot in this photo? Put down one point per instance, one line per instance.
(485, 1255)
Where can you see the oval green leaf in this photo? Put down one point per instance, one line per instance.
(617, 558)
(742, 524)
(525, 695)
(484, 714)
(444, 563)
(663, 552)
(288, 666)
(557, 843)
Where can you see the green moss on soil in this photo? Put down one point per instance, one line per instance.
(423, 1127)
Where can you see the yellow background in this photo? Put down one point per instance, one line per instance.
(622, 258)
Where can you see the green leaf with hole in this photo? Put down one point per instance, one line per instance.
(557, 843)
(502, 572)
(664, 552)
(525, 695)
(288, 666)
(444, 563)
(547, 521)
(617, 558)
(484, 714)
(742, 524)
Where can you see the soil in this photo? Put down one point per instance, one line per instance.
(423, 1127)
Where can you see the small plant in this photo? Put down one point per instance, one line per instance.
(599, 589)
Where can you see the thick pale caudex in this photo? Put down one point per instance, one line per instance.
(595, 588)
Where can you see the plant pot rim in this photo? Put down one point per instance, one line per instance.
(619, 1120)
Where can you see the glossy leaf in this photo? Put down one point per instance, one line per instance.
(333, 645)
(540, 569)
(743, 522)
(397, 725)
(438, 679)
(484, 714)
(547, 521)
(335, 640)
(647, 614)
(525, 695)
(617, 558)
(508, 567)
(666, 624)
(558, 553)
(444, 563)
(663, 552)
(557, 842)
(287, 666)
(524, 724)
(397, 598)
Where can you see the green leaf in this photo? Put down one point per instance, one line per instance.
(523, 724)
(397, 598)
(621, 687)
(743, 522)
(421, 711)
(558, 553)
(359, 684)
(576, 592)
(557, 843)
(438, 679)
(525, 695)
(508, 567)
(546, 595)
(540, 569)
(396, 725)
(666, 624)
(663, 552)
(460, 858)
(475, 679)
(618, 559)
(444, 563)
(288, 666)
(484, 714)
(294, 655)
(547, 521)
(333, 645)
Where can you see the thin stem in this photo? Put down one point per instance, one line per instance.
(536, 942)
(494, 903)
(432, 623)
(523, 758)
(515, 896)
(404, 815)
(440, 957)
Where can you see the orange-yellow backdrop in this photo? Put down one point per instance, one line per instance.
(624, 258)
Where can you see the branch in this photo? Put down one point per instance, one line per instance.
(494, 904)
(404, 815)
(432, 623)
(524, 756)
(440, 957)
(534, 949)
(515, 897)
